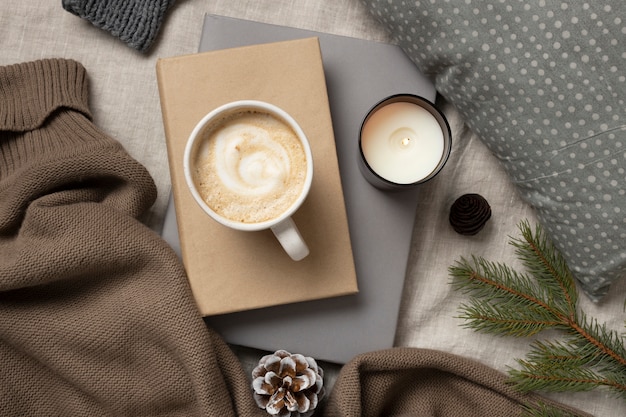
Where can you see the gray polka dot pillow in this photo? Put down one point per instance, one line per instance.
(542, 83)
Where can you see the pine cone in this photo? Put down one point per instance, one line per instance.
(469, 214)
(284, 383)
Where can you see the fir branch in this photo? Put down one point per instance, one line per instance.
(517, 305)
(560, 373)
(608, 345)
(506, 302)
(515, 320)
(561, 377)
(546, 265)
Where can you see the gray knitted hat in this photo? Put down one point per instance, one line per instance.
(135, 22)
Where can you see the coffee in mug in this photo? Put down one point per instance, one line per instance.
(249, 166)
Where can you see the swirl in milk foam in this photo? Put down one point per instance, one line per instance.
(248, 161)
(251, 167)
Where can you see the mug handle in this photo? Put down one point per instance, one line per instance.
(291, 240)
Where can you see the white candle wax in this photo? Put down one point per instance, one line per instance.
(402, 142)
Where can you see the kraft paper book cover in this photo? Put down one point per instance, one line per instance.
(359, 73)
(230, 270)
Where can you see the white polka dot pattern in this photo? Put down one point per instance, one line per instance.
(543, 84)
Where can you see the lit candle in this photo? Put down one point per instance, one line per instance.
(404, 141)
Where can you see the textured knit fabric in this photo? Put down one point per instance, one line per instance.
(96, 317)
(136, 22)
(427, 383)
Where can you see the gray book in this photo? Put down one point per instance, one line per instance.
(359, 73)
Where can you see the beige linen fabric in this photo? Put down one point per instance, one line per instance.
(97, 317)
(123, 98)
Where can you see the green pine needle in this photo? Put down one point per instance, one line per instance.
(546, 265)
(545, 410)
(505, 302)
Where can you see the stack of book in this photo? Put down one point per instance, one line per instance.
(344, 298)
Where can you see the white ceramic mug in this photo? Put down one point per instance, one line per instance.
(280, 223)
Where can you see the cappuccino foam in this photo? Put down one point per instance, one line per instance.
(250, 167)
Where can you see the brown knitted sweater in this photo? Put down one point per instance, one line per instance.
(96, 317)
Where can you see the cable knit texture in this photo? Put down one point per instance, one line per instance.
(96, 315)
(136, 22)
